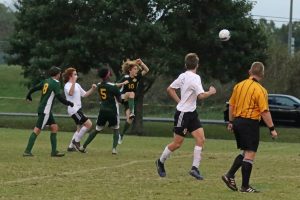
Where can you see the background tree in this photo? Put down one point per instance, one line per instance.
(94, 33)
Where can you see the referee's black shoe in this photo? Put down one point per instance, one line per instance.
(248, 190)
(230, 182)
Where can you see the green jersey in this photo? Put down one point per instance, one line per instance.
(50, 88)
(109, 95)
(132, 83)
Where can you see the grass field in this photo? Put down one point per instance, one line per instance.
(132, 175)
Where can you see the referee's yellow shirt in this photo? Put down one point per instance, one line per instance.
(249, 99)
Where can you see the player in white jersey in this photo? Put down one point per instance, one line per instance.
(74, 92)
(186, 117)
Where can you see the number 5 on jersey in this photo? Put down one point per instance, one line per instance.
(103, 94)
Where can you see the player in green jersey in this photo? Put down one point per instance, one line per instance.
(110, 97)
(133, 71)
(50, 90)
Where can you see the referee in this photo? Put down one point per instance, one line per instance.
(247, 105)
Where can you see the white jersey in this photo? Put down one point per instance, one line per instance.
(190, 87)
(76, 98)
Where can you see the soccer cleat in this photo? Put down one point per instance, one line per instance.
(71, 149)
(131, 116)
(230, 182)
(160, 168)
(76, 144)
(120, 140)
(248, 190)
(82, 150)
(114, 151)
(57, 154)
(195, 173)
(27, 154)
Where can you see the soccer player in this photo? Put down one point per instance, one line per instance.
(133, 71)
(247, 105)
(186, 117)
(74, 92)
(110, 97)
(50, 90)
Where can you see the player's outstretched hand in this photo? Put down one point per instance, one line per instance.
(94, 86)
(28, 97)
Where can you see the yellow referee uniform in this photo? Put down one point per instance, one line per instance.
(249, 99)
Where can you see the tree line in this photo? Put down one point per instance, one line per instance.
(96, 33)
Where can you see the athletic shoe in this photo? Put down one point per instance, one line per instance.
(57, 154)
(120, 140)
(248, 190)
(195, 173)
(230, 182)
(76, 144)
(160, 168)
(131, 116)
(82, 150)
(71, 149)
(114, 151)
(27, 154)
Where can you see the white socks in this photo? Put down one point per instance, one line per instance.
(71, 144)
(81, 133)
(197, 156)
(166, 154)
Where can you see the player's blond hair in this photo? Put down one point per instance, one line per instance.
(128, 65)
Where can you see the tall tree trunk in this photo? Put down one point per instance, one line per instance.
(137, 127)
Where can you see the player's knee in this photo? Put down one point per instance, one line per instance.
(54, 128)
(88, 124)
(36, 130)
(131, 95)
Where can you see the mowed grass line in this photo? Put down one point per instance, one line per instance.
(132, 175)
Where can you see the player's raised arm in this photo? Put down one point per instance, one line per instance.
(145, 68)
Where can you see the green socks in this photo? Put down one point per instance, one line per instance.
(115, 138)
(31, 141)
(53, 142)
(126, 127)
(92, 135)
(131, 104)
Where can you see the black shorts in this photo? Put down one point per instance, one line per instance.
(79, 117)
(246, 133)
(107, 116)
(186, 122)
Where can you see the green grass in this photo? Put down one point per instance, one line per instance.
(132, 175)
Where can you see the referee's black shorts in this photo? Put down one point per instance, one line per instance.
(246, 133)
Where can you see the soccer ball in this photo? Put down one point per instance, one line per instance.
(224, 35)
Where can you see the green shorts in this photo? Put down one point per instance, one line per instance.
(44, 119)
(107, 116)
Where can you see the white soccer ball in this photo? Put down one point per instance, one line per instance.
(224, 35)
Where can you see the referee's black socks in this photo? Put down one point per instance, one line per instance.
(246, 172)
(237, 163)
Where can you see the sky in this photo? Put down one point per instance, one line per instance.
(262, 9)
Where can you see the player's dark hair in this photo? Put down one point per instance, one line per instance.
(68, 73)
(53, 71)
(104, 73)
(191, 60)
